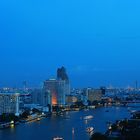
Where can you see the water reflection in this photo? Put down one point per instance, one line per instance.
(69, 125)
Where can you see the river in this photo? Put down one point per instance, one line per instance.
(62, 126)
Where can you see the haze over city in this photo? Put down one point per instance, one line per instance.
(97, 41)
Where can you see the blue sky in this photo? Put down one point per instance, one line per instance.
(97, 41)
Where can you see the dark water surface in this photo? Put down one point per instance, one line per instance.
(62, 126)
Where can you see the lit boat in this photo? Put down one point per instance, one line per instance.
(58, 138)
(7, 125)
(38, 119)
(88, 117)
(90, 129)
(133, 111)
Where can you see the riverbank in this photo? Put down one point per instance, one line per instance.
(126, 129)
(62, 125)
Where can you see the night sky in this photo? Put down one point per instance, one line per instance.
(98, 41)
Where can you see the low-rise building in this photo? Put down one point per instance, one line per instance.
(71, 99)
(94, 94)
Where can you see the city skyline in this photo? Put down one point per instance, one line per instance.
(97, 41)
(69, 69)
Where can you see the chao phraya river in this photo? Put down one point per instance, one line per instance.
(63, 125)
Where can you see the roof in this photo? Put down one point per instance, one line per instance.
(9, 93)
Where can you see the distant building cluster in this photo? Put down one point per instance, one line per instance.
(54, 93)
(93, 94)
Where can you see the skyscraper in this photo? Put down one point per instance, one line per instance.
(61, 74)
(51, 85)
(58, 88)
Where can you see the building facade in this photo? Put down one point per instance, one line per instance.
(58, 90)
(41, 98)
(9, 103)
(94, 94)
(71, 99)
(36, 96)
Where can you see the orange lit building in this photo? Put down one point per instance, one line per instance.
(58, 89)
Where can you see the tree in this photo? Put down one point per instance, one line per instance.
(79, 104)
(95, 102)
(25, 114)
(34, 110)
(98, 136)
(8, 117)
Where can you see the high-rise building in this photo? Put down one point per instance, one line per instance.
(61, 74)
(62, 91)
(36, 96)
(51, 85)
(9, 103)
(58, 90)
(46, 98)
(41, 98)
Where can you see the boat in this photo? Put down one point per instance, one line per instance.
(7, 125)
(38, 119)
(88, 117)
(58, 138)
(90, 129)
(133, 111)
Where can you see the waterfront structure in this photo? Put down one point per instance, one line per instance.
(46, 98)
(41, 98)
(9, 103)
(36, 96)
(51, 85)
(71, 99)
(25, 98)
(94, 94)
(54, 91)
(58, 90)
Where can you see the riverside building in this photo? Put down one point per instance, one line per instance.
(58, 90)
(9, 103)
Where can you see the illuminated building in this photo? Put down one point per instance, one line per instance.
(58, 90)
(42, 98)
(9, 103)
(46, 99)
(94, 94)
(71, 99)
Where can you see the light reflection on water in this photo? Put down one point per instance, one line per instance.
(63, 125)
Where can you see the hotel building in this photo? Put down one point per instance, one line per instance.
(58, 90)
